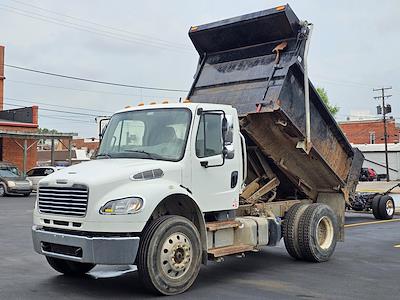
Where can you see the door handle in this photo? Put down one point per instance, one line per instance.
(204, 163)
(234, 179)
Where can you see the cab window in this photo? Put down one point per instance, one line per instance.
(209, 136)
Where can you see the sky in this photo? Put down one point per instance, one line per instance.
(353, 50)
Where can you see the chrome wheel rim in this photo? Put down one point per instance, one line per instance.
(325, 233)
(390, 207)
(2, 190)
(176, 255)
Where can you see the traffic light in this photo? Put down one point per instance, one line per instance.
(388, 109)
(379, 110)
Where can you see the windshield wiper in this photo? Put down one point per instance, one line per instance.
(150, 155)
(103, 155)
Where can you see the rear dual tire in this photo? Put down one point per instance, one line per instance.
(310, 232)
(383, 207)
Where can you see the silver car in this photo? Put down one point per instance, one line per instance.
(38, 173)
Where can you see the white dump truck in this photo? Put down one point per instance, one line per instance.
(252, 157)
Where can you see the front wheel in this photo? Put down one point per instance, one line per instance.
(3, 190)
(69, 268)
(169, 255)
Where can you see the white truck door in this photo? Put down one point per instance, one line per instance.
(215, 181)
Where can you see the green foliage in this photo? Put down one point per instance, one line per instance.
(324, 96)
(47, 131)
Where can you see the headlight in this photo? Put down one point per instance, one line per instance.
(11, 183)
(30, 182)
(123, 206)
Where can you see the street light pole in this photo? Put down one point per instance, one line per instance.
(384, 111)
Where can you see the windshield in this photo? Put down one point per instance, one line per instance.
(9, 172)
(151, 134)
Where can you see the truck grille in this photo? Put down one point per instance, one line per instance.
(69, 201)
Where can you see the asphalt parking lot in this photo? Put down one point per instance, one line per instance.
(366, 266)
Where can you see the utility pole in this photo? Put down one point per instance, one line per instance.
(384, 109)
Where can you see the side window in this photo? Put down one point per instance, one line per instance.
(30, 173)
(209, 136)
(39, 172)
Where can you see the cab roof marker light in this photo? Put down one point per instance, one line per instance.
(140, 103)
(281, 7)
(165, 102)
(152, 102)
(186, 101)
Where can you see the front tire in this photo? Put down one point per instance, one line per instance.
(3, 190)
(69, 268)
(169, 255)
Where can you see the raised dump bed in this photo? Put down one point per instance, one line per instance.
(255, 63)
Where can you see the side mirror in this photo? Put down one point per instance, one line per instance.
(228, 153)
(224, 127)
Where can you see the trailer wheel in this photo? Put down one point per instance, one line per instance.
(169, 255)
(318, 230)
(386, 207)
(375, 207)
(290, 229)
(69, 268)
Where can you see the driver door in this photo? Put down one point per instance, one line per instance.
(213, 177)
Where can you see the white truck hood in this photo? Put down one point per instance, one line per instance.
(106, 171)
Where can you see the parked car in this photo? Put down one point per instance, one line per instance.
(12, 182)
(38, 173)
(368, 174)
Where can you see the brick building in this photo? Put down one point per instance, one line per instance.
(90, 145)
(370, 131)
(22, 120)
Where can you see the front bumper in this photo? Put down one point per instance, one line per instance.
(19, 190)
(95, 250)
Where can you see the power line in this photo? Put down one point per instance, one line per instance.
(84, 90)
(58, 111)
(93, 80)
(81, 27)
(100, 25)
(66, 119)
(56, 105)
(55, 117)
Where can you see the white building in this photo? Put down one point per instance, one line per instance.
(375, 158)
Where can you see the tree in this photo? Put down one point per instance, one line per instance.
(47, 131)
(324, 96)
